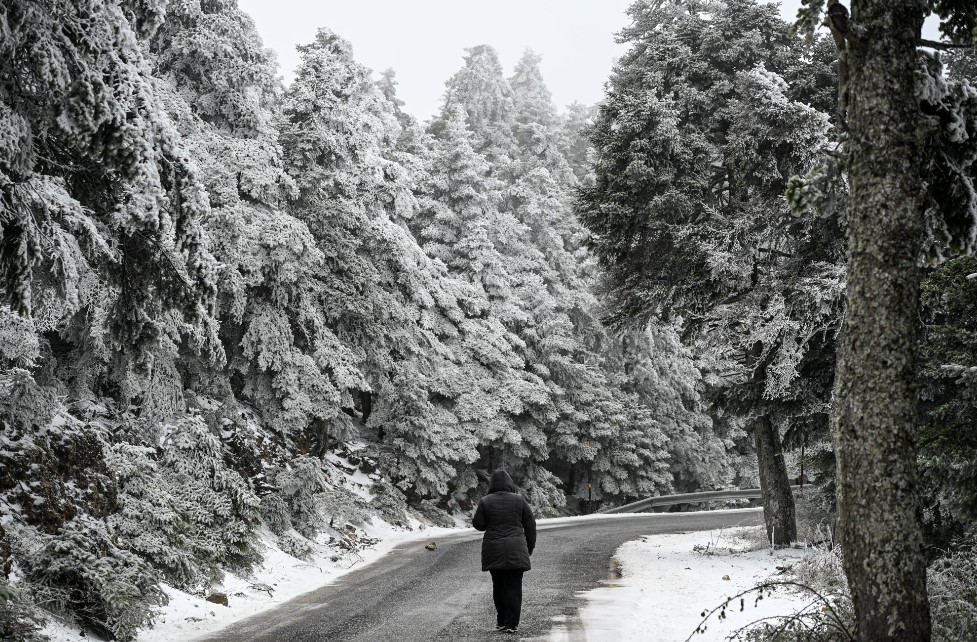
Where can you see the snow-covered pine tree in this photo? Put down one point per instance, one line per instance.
(480, 89)
(911, 193)
(106, 280)
(574, 128)
(284, 360)
(688, 212)
(947, 445)
(539, 193)
(382, 295)
(100, 205)
(462, 226)
(660, 371)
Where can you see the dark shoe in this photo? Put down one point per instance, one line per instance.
(510, 631)
(500, 627)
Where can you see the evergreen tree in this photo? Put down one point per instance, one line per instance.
(100, 208)
(480, 89)
(546, 276)
(947, 340)
(947, 366)
(222, 90)
(381, 295)
(574, 130)
(688, 215)
(463, 227)
(910, 196)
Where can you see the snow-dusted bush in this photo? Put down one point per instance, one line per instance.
(542, 489)
(19, 622)
(814, 510)
(434, 514)
(343, 507)
(80, 571)
(306, 503)
(301, 486)
(274, 511)
(822, 570)
(183, 509)
(952, 585)
(295, 545)
(389, 502)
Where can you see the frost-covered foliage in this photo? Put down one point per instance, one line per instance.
(688, 213)
(949, 106)
(381, 294)
(301, 486)
(82, 572)
(212, 284)
(663, 375)
(953, 596)
(20, 621)
(389, 502)
(182, 508)
(480, 90)
(100, 204)
(948, 444)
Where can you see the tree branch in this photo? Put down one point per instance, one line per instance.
(936, 44)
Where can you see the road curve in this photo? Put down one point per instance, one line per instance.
(414, 595)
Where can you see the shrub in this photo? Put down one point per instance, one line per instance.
(389, 503)
(109, 590)
(952, 584)
(296, 546)
(18, 621)
(301, 487)
(185, 511)
(344, 507)
(434, 514)
(274, 511)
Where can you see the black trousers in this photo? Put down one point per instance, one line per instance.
(507, 595)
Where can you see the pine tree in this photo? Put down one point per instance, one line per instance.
(688, 213)
(382, 295)
(100, 207)
(463, 227)
(480, 89)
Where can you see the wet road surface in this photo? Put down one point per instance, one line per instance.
(415, 595)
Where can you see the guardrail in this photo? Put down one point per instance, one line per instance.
(687, 498)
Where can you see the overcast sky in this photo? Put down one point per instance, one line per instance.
(424, 40)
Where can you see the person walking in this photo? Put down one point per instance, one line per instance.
(510, 537)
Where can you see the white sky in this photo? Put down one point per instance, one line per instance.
(424, 40)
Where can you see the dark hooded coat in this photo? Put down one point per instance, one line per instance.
(509, 525)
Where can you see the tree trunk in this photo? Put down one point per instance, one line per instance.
(778, 500)
(873, 415)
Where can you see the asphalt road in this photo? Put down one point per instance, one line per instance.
(415, 595)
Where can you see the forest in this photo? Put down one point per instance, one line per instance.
(215, 286)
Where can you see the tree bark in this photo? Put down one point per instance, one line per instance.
(873, 414)
(778, 499)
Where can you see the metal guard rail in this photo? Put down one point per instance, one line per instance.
(687, 498)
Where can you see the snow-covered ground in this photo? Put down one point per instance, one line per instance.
(667, 581)
(188, 617)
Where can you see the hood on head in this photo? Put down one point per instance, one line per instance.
(501, 481)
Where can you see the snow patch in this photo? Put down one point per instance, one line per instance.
(667, 581)
(279, 578)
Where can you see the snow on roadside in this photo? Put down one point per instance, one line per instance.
(188, 617)
(278, 579)
(667, 581)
